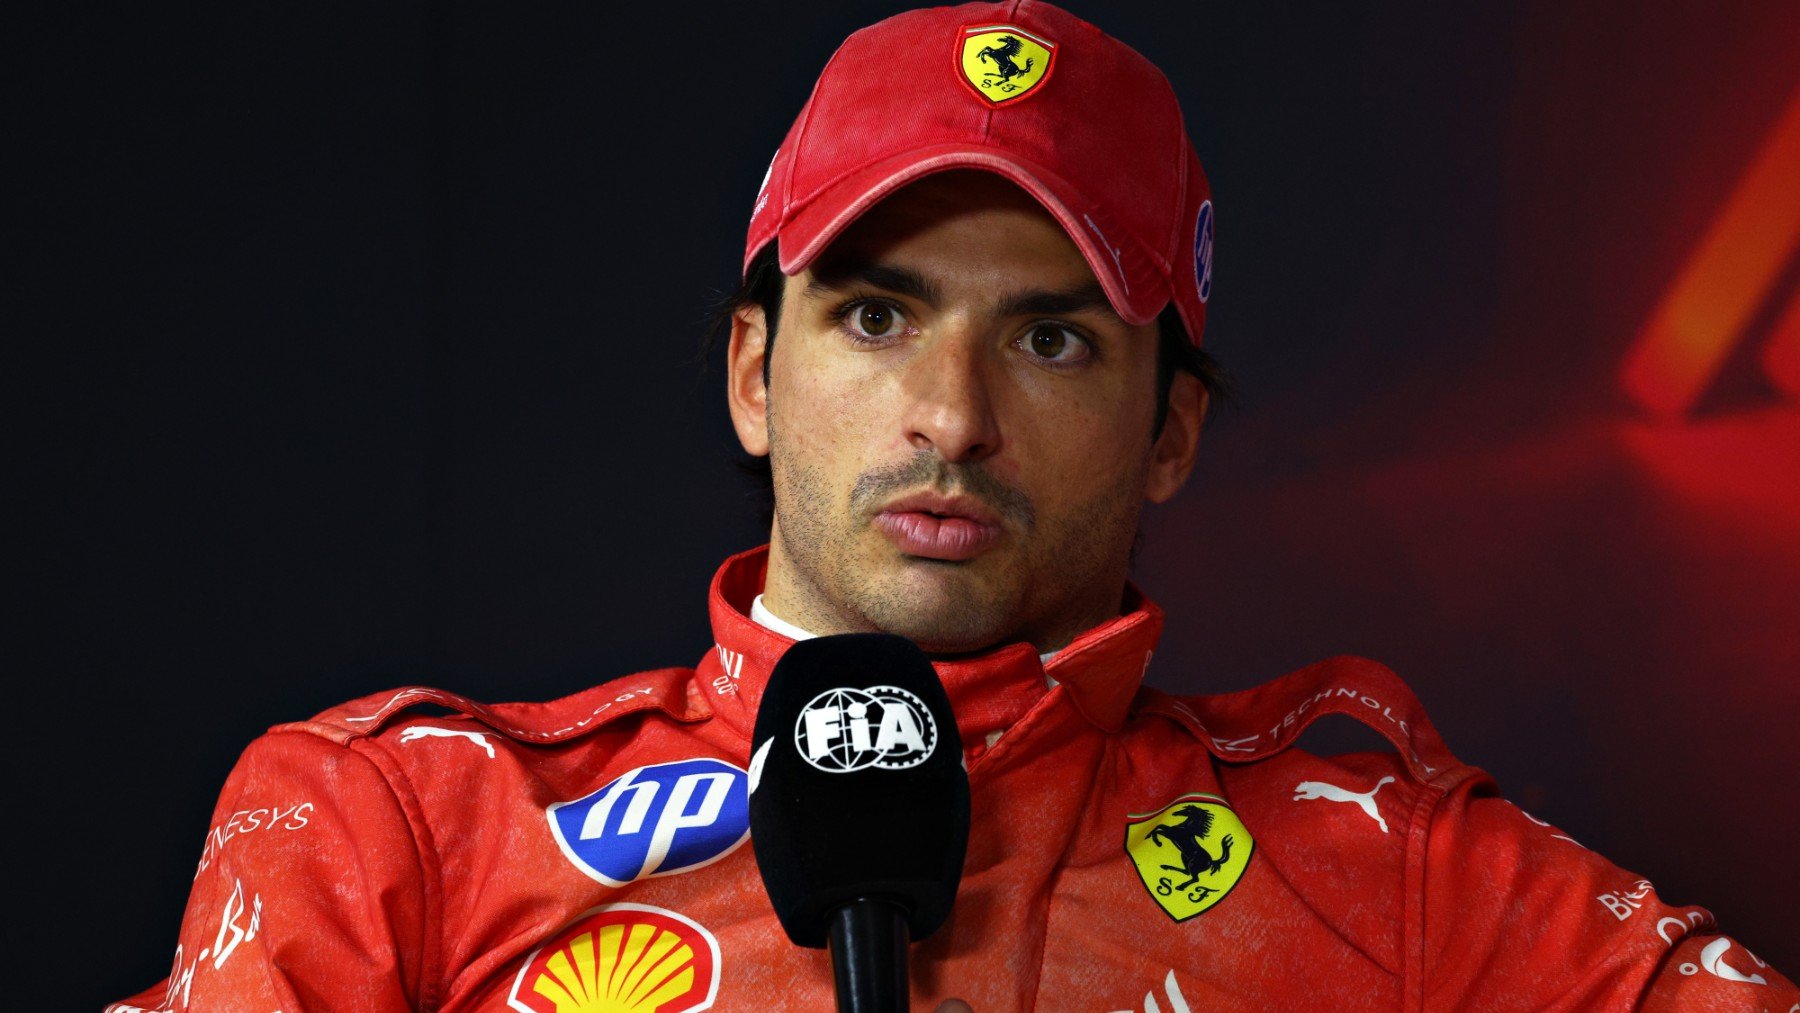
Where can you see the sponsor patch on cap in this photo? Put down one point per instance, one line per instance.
(1203, 229)
(762, 192)
(1004, 63)
(621, 957)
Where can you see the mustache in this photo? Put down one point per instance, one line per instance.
(927, 470)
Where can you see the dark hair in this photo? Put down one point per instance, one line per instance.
(762, 286)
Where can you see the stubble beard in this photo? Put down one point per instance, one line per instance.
(1064, 576)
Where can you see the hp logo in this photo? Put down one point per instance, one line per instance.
(655, 821)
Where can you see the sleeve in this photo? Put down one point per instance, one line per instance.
(309, 895)
(1518, 915)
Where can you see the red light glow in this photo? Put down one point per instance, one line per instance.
(1725, 281)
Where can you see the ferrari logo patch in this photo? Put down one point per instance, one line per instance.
(1004, 64)
(1190, 853)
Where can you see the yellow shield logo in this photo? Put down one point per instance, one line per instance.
(619, 958)
(1004, 64)
(1189, 853)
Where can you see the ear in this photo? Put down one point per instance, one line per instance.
(744, 389)
(1172, 459)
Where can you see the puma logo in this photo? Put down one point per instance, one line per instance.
(1331, 792)
(417, 732)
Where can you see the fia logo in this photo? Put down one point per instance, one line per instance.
(846, 729)
(655, 821)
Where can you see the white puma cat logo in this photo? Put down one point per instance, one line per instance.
(1331, 792)
(417, 732)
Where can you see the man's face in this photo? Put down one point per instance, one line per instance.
(959, 426)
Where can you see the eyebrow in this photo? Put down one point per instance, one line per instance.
(1042, 302)
(893, 278)
(907, 282)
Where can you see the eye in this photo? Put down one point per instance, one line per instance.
(1055, 343)
(870, 319)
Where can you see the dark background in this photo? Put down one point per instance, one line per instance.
(361, 350)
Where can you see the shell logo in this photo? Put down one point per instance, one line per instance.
(619, 958)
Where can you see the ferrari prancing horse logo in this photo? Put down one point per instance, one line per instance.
(1190, 853)
(1004, 64)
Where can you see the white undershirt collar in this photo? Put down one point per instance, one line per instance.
(761, 613)
(769, 620)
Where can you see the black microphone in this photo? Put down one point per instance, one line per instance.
(859, 806)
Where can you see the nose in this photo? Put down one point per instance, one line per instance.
(950, 405)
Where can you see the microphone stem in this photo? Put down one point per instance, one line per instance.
(868, 939)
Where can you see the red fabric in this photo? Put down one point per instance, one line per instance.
(1096, 135)
(378, 858)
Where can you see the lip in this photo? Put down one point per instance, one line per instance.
(950, 528)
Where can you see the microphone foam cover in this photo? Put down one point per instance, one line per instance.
(857, 784)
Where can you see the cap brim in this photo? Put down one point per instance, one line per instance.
(1136, 289)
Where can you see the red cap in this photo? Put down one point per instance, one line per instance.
(1023, 89)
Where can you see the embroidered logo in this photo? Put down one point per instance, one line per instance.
(621, 957)
(1004, 64)
(1364, 800)
(417, 732)
(655, 821)
(1203, 247)
(1190, 853)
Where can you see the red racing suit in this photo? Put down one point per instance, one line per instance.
(1129, 850)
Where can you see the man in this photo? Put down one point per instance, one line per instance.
(974, 277)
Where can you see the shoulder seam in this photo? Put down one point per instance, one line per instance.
(661, 689)
(425, 854)
(416, 828)
(1412, 937)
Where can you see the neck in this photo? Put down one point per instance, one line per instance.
(1100, 671)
